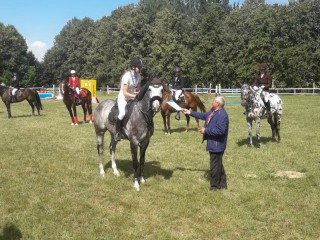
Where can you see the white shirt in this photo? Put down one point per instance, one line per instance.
(132, 81)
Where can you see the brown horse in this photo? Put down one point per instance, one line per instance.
(70, 99)
(28, 94)
(191, 101)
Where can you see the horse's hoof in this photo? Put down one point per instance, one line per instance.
(76, 124)
(72, 124)
(259, 145)
(90, 122)
(116, 172)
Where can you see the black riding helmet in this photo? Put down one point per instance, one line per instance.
(136, 62)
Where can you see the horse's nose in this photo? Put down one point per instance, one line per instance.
(156, 106)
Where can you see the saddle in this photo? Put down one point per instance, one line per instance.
(114, 112)
(82, 93)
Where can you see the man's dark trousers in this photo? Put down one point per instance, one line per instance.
(218, 178)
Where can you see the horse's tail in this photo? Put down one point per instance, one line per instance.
(38, 100)
(200, 103)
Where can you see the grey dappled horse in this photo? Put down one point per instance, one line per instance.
(137, 127)
(256, 110)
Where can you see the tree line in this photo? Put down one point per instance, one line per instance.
(212, 41)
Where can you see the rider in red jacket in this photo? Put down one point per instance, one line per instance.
(74, 83)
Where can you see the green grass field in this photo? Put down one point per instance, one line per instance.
(50, 187)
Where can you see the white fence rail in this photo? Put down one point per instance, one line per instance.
(217, 90)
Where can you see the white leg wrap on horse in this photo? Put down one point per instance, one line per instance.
(102, 172)
(136, 184)
(142, 181)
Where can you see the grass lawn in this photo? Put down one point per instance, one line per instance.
(50, 187)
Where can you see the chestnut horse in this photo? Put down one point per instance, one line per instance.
(191, 101)
(70, 99)
(22, 94)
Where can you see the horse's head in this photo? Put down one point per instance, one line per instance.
(62, 86)
(245, 95)
(155, 94)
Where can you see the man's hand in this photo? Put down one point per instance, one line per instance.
(201, 130)
(186, 111)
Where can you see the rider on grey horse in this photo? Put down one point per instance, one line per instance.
(130, 81)
(16, 86)
(263, 79)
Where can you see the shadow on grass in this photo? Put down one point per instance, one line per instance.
(263, 140)
(151, 168)
(10, 232)
(206, 172)
(25, 116)
(181, 129)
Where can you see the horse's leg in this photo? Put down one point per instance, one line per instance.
(135, 164)
(112, 148)
(258, 125)
(168, 123)
(83, 105)
(8, 109)
(273, 126)
(249, 124)
(76, 120)
(188, 122)
(89, 106)
(143, 148)
(32, 106)
(163, 114)
(278, 122)
(100, 140)
(71, 115)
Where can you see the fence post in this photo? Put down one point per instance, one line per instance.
(108, 89)
(210, 88)
(219, 89)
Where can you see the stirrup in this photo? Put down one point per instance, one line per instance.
(177, 117)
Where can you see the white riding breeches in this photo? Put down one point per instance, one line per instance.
(176, 94)
(122, 103)
(77, 90)
(14, 91)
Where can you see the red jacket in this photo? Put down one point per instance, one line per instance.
(74, 82)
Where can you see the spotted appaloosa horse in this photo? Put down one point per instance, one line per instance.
(256, 110)
(69, 99)
(137, 127)
(191, 101)
(22, 94)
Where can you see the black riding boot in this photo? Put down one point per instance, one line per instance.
(267, 104)
(79, 99)
(13, 98)
(117, 136)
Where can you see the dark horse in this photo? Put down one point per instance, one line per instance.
(28, 94)
(137, 127)
(256, 110)
(191, 101)
(70, 100)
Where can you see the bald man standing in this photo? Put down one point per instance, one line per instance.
(215, 131)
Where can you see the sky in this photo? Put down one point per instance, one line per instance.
(39, 21)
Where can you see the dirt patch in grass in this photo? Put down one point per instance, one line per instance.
(290, 174)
